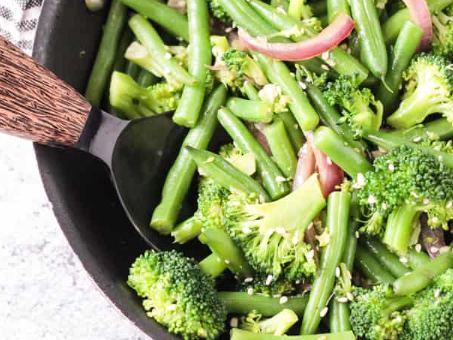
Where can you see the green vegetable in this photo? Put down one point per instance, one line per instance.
(267, 169)
(146, 78)
(105, 56)
(238, 334)
(428, 90)
(405, 182)
(251, 110)
(181, 173)
(271, 234)
(187, 230)
(259, 284)
(218, 12)
(281, 148)
(347, 158)
(335, 7)
(442, 42)
(279, 324)
(440, 128)
(200, 56)
(224, 173)
(178, 295)
(373, 49)
(299, 9)
(243, 303)
(292, 128)
(337, 225)
(401, 55)
(416, 259)
(370, 267)
(361, 111)
(167, 17)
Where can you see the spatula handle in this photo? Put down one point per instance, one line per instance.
(35, 104)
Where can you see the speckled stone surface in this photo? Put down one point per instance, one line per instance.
(44, 292)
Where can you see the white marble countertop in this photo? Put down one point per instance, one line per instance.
(44, 292)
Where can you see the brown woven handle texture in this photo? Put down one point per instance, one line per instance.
(35, 104)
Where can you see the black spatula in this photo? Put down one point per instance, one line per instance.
(36, 105)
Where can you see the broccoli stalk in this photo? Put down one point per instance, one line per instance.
(361, 111)
(239, 334)
(428, 90)
(405, 182)
(279, 324)
(271, 234)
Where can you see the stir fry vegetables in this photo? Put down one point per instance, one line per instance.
(319, 139)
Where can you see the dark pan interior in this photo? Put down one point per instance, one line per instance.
(83, 198)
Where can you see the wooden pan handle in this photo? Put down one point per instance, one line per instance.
(35, 104)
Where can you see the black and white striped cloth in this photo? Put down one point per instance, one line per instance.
(19, 20)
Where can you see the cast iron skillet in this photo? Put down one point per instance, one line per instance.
(83, 198)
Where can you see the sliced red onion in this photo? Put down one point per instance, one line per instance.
(421, 15)
(256, 130)
(305, 165)
(327, 39)
(433, 240)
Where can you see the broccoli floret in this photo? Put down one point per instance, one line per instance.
(279, 324)
(442, 43)
(178, 295)
(212, 199)
(361, 111)
(271, 234)
(405, 182)
(136, 101)
(219, 13)
(432, 314)
(273, 94)
(266, 285)
(378, 315)
(428, 90)
(233, 67)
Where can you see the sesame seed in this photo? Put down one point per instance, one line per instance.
(234, 322)
(435, 219)
(391, 167)
(324, 312)
(280, 230)
(227, 261)
(297, 282)
(171, 307)
(425, 201)
(331, 62)
(357, 234)
(325, 55)
(417, 139)
(434, 249)
(269, 280)
(292, 74)
(384, 206)
(337, 272)
(302, 84)
(325, 67)
(372, 200)
(280, 179)
(343, 300)
(248, 279)
(399, 319)
(449, 205)
(167, 56)
(311, 254)
(250, 291)
(403, 260)
(283, 299)
(228, 29)
(350, 296)
(437, 293)
(418, 247)
(329, 161)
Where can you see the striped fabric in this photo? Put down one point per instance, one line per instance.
(19, 20)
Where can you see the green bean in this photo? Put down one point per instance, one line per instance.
(318, 66)
(120, 60)
(339, 312)
(372, 42)
(167, 17)
(200, 56)
(212, 265)
(347, 158)
(267, 169)
(187, 230)
(243, 303)
(401, 56)
(337, 223)
(132, 69)
(278, 74)
(385, 257)
(292, 128)
(354, 44)
(389, 141)
(251, 110)
(239, 334)
(423, 276)
(343, 62)
(223, 246)
(330, 116)
(105, 57)
(319, 8)
(371, 268)
(250, 91)
(335, 7)
(416, 259)
(181, 173)
(146, 78)
(395, 23)
(151, 40)
(297, 9)
(281, 148)
(225, 173)
(440, 128)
